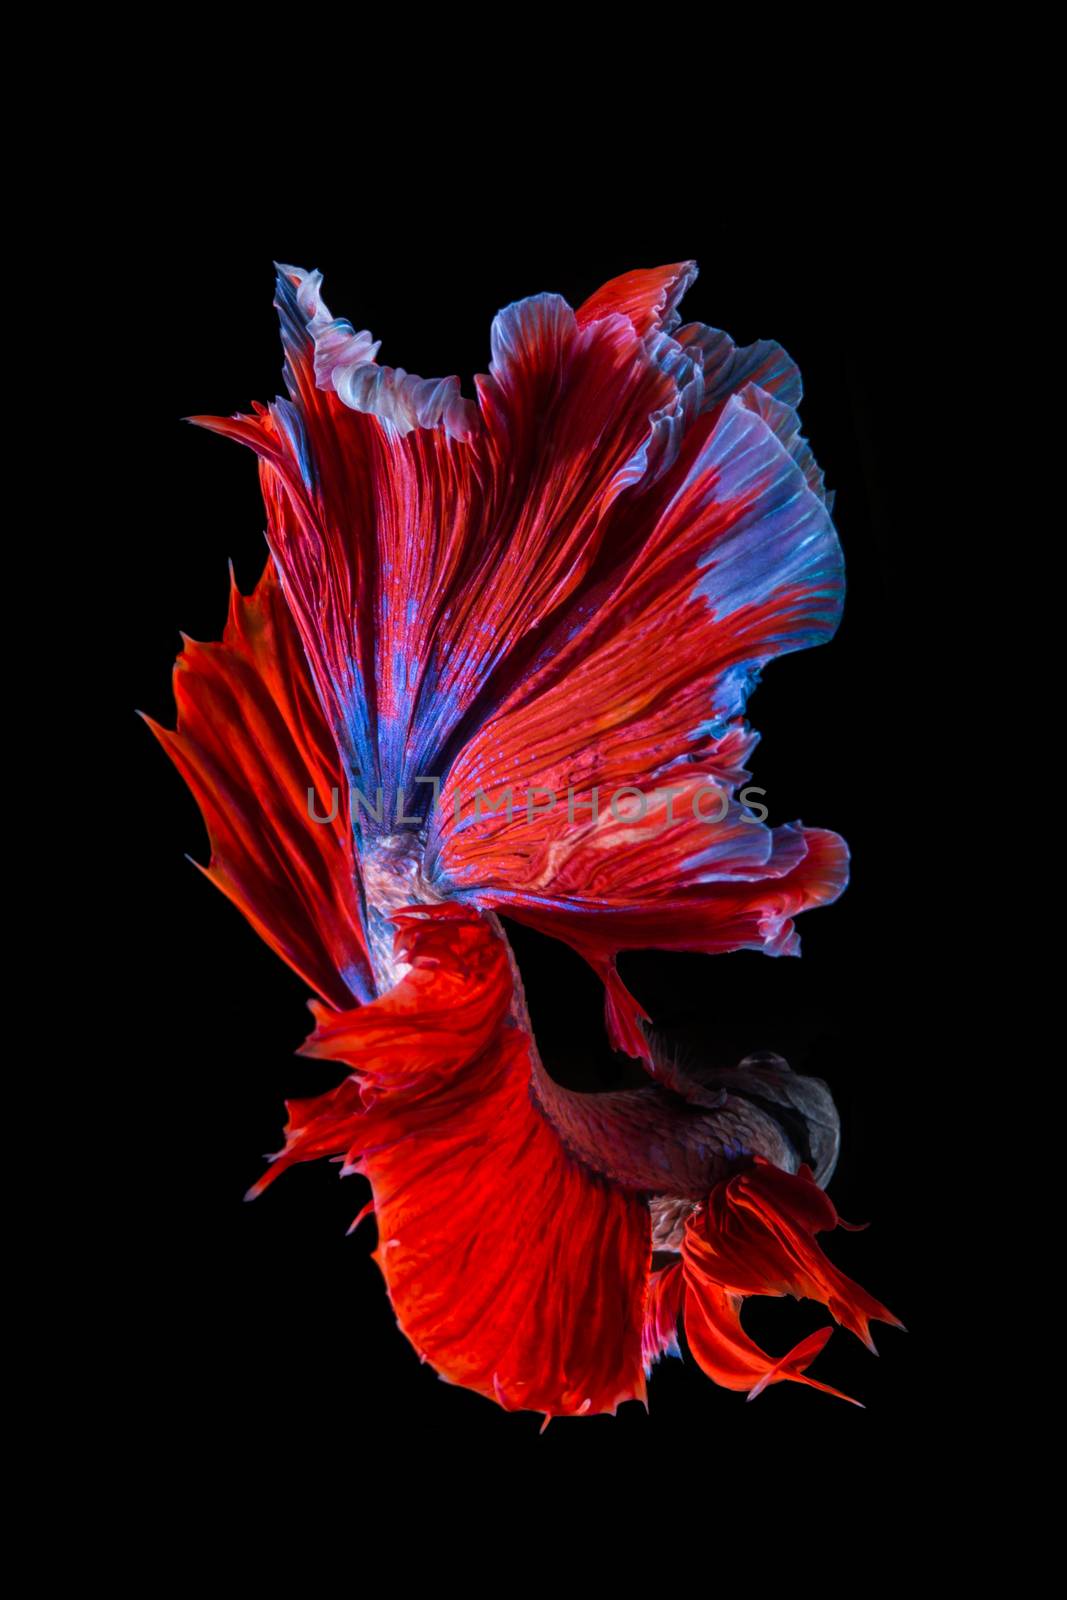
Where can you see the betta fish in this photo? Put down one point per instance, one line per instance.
(498, 664)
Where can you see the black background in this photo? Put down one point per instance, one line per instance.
(262, 1331)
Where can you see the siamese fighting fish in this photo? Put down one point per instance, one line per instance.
(497, 665)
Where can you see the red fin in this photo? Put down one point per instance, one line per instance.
(647, 296)
(792, 1366)
(735, 913)
(422, 569)
(663, 1307)
(642, 702)
(250, 742)
(512, 1269)
(756, 1235)
(777, 1215)
(730, 1358)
